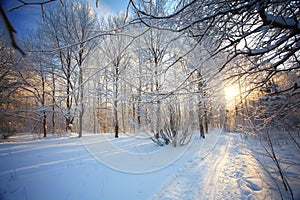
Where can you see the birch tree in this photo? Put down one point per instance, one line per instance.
(83, 26)
(68, 29)
(114, 49)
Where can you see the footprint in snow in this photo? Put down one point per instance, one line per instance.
(252, 185)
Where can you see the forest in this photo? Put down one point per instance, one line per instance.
(158, 68)
(164, 68)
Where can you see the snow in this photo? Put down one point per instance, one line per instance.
(99, 166)
(289, 21)
(227, 172)
(126, 154)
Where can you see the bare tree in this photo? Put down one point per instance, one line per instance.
(83, 26)
(58, 34)
(265, 30)
(71, 25)
(9, 85)
(40, 65)
(113, 48)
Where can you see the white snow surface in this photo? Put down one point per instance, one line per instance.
(221, 166)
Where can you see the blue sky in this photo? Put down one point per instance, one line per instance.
(25, 18)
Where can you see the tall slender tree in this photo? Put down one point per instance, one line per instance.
(70, 28)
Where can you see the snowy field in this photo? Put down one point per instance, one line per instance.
(133, 167)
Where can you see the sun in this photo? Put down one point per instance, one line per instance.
(231, 92)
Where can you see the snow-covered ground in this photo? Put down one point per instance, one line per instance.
(133, 167)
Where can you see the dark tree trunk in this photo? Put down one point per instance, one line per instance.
(116, 119)
(81, 112)
(53, 102)
(43, 104)
(200, 103)
(45, 124)
(200, 120)
(206, 121)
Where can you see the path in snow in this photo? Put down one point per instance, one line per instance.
(223, 169)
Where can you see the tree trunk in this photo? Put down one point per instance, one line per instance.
(80, 100)
(200, 120)
(116, 125)
(68, 103)
(158, 114)
(134, 114)
(205, 121)
(43, 105)
(116, 119)
(139, 98)
(53, 101)
(200, 92)
(45, 124)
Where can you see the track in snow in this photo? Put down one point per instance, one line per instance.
(223, 169)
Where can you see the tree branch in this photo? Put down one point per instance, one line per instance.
(11, 30)
(277, 21)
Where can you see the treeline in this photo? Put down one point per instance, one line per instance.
(105, 76)
(161, 69)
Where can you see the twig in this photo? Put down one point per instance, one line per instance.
(11, 31)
